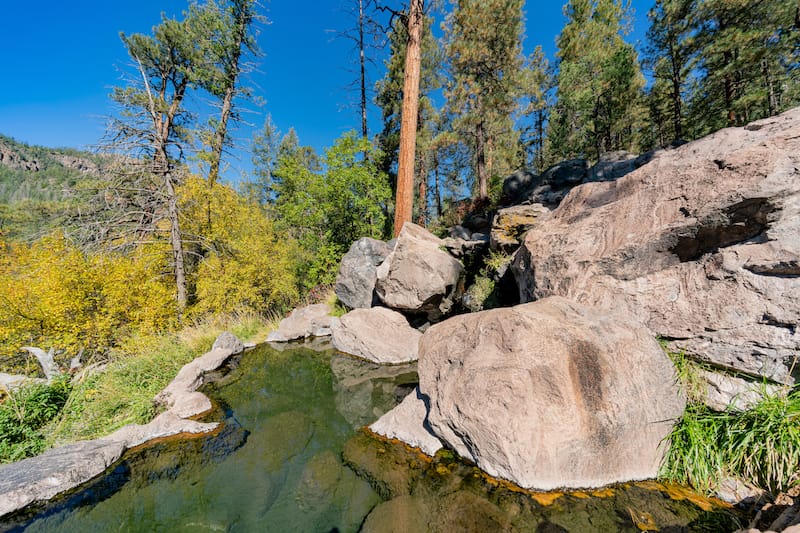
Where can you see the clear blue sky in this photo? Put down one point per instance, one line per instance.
(61, 59)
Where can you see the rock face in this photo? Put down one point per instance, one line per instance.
(408, 423)
(355, 284)
(723, 391)
(418, 277)
(550, 394)
(378, 334)
(309, 321)
(702, 244)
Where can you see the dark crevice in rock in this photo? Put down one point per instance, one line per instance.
(737, 224)
(772, 321)
(783, 269)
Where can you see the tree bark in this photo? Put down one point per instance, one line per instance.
(480, 161)
(176, 243)
(362, 59)
(404, 200)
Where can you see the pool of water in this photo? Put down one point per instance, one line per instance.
(291, 457)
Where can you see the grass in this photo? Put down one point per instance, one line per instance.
(760, 445)
(121, 391)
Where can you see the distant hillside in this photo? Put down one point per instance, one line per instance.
(37, 184)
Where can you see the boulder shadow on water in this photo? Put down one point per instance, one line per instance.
(365, 391)
(444, 494)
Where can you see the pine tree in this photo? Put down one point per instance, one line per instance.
(539, 82)
(599, 83)
(484, 52)
(669, 56)
(748, 61)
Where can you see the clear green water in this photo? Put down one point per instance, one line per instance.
(291, 458)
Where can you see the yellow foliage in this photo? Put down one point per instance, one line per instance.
(53, 295)
(247, 265)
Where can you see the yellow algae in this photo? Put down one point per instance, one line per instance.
(651, 485)
(580, 495)
(603, 493)
(546, 498)
(676, 492)
(643, 520)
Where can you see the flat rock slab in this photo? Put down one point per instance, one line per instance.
(309, 321)
(408, 422)
(550, 394)
(377, 334)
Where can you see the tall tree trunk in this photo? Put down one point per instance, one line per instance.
(362, 59)
(437, 186)
(404, 201)
(422, 194)
(480, 161)
(677, 121)
(176, 242)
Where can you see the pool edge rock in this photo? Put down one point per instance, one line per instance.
(61, 469)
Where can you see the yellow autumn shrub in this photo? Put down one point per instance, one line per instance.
(245, 265)
(52, 295)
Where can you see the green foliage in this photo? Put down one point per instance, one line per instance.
(24, 413)
(484, 51)
(761, 445)
(326, 210)
(599, 83)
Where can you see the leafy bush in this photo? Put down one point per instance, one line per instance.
(24, 413)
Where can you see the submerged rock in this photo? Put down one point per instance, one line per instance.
(378, 334)
(550, 394)
(702, 243)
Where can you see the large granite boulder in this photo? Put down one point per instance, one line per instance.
(418, 277)
(702, 244)
(377, 334)
(355, 284)
(550, 394)
(310, 321)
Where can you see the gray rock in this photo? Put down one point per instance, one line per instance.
(55, 471)
(612, 166)
(407, 422)
(724, 391)
(302, 322)
(229, 342)
(10, 382)
(510, 225)
(700, 243)
(355, 284)
(418, 277)
(550, 394)
(377, 334)
(459, 232)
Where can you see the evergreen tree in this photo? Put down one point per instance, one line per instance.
(484, 52)
(599, 83)
(669, 56)
(748, 61)
(539, 82)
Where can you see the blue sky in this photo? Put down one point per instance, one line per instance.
(61, 59)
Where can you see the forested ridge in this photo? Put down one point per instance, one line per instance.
(144, 237)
